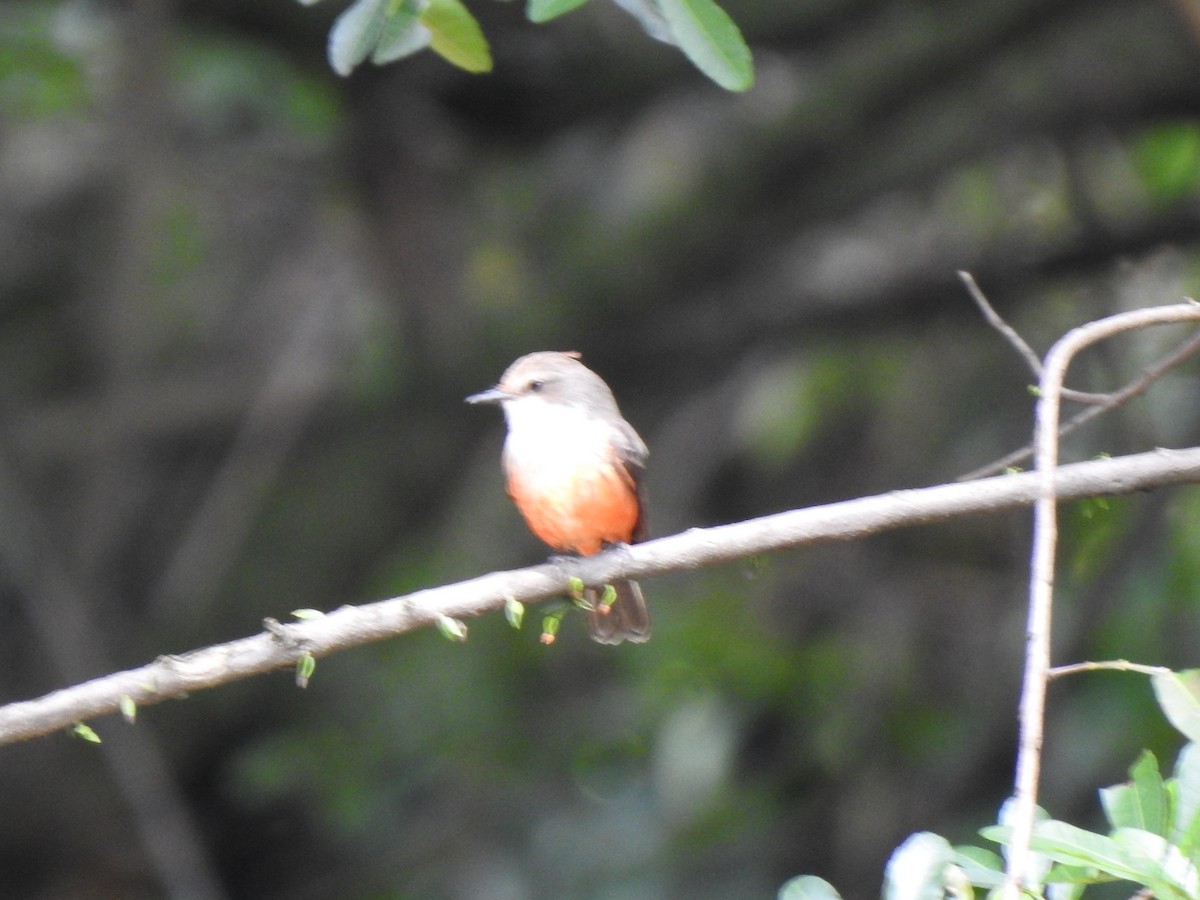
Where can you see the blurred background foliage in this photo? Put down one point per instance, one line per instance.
(241, 300)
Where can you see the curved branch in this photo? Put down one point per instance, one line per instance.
(1098, 403)
(1041, 576)
(281, 646)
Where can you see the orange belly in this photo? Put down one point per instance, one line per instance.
(579, 511)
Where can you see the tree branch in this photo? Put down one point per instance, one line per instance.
(1181, 354)
(1041, 577)
(1098, 403)
(281, 646)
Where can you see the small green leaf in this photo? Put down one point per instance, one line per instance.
(128, 709)
(544, 10)
(455, 35)
(452, 629)
(403, 35)
(650, 17)
(1184, 787)
(514, 611)
(808, 887)
(1075, 846)
(1142, 803)
(575, 586)
(306, 664)
(608, 598)
(1161, 862)
(981, 867)
(85, 732)
(918, 868)
(550, 623)
(305, 614)
(355, 33)
(1178, 694)
(711, 40)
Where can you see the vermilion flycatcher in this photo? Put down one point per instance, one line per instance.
(574, 467)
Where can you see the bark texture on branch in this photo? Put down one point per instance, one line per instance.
(280, 646)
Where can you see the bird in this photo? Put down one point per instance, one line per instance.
(573, 466)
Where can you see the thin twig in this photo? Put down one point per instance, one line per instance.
(1041, 578)
(1110, 665)
(994, 319)
(1181, 354)
(1098, 403)
(281, 646)
(1010, 334)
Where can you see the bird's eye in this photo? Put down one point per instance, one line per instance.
(536, 386)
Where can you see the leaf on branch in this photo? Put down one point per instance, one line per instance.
(980, 867)
(455, 35)
(128, 709)
(387, 30)
(305, 666)
(356, 33)
(607, 599)
(544, 10)
(514, 611)
(650, 17)
(1185, 796)
(308, 614)
(1168, 872)
(1141, 803)
(85, 732)
(550, 623)
(918, 868)
(403, 35)
(1125, 858)
(384, 30)
(452, 629)
(711, 40)
(1178, 694)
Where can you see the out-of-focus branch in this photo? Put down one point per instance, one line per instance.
(282, 646)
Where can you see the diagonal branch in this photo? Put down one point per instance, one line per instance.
(1181, 354)
(994, 319)
(281, 646)
(1098, 404)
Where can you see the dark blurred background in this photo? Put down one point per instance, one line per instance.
(242, 299)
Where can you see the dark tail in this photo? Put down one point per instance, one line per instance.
(627, 618)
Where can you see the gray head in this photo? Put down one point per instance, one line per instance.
(552, 377)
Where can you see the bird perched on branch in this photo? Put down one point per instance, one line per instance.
(573, 466)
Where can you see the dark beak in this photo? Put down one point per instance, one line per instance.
(491, 395)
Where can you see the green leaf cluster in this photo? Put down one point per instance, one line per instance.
(387, 30)
(1153, 837)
